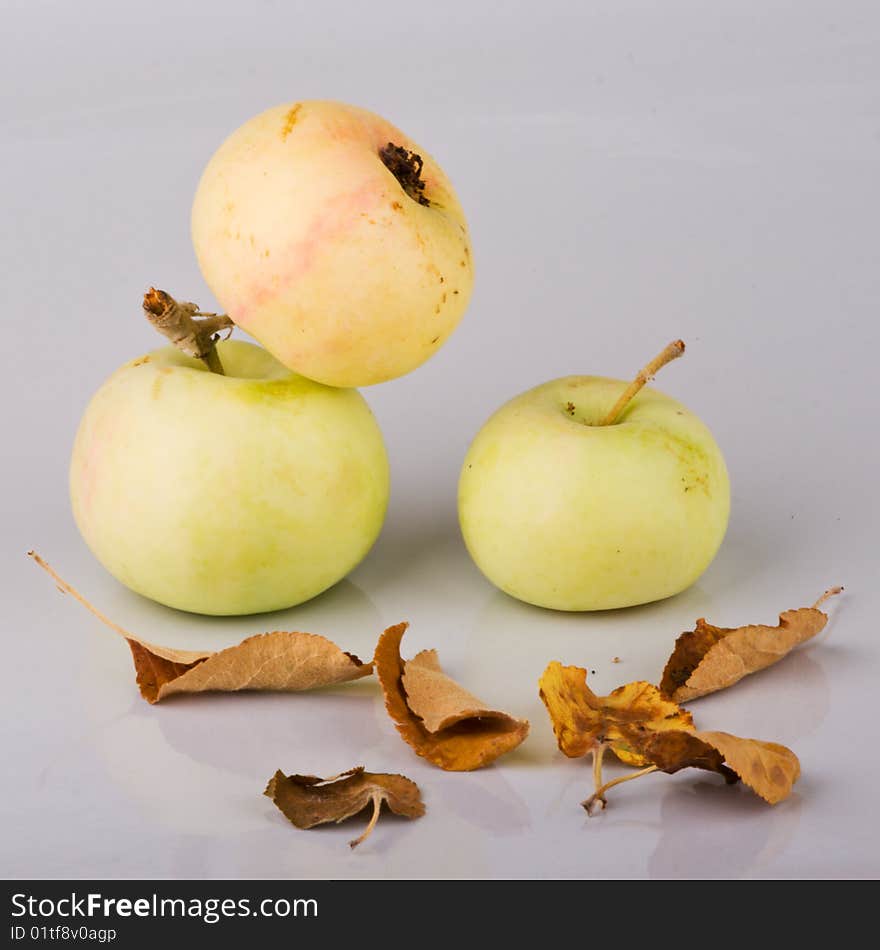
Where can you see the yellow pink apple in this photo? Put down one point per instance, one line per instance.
(335, 240)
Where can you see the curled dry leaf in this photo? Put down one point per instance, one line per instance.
(710, 658)
(643, 728)
(442, 721)
(307, 800)
(769, 769)
(282, 660)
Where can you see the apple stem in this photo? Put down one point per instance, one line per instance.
(599, 795)
(670, 353)
(831, 592)
(177, 321)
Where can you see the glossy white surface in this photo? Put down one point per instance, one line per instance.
(633, 172)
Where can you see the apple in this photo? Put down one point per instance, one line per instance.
(334, 240)
(233, 494)
(562, 510)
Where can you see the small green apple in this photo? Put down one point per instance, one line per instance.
(562, 511)
(233, 494)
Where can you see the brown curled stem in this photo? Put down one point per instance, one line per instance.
(191, 331)
(377, 807)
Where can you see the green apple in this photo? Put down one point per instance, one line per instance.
(562, 511)
(233, 494)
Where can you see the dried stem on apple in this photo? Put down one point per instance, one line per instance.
(406, 166)
(598, 797)
(177, 321)
(671, 352)
(831, 592)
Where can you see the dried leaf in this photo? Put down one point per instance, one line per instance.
(710, 658)
(645, 729)
(767, 768)
(307, 800)
(620, 721)
(281, 660)
(443, 722)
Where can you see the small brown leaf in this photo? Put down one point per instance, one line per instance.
(620, 721)
(307, 800)
(443, 722)
(710, 658)
(281, 660)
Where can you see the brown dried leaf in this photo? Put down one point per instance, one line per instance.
(307, 800)
(769, 769)
(621, 721)
(281, 660)
(291, 661)
(710, 658)
(443, 722)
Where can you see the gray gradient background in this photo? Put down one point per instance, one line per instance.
(632, 171)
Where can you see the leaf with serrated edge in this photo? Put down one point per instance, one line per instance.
(282, 660)
(710, 658)
(307, 800)
(440, 720)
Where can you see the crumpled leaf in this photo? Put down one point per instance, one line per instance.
(710, 658)
(442, 721)
(769, 769)
(646, 729)
(307, 800)
(282, 660)
(620, 721)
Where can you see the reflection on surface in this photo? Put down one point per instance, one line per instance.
(486, 800)
(342, 609)
(242, 732)
(782, 703)
(169, 790)
(734, 832)
(170, 758)
(517, 641)
(344, 614)
(197, 764)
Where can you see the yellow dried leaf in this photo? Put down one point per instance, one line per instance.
(307, 800)
(442, 721)
(645, 729)
(620, 721)
(282, 660)
(710, 658)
